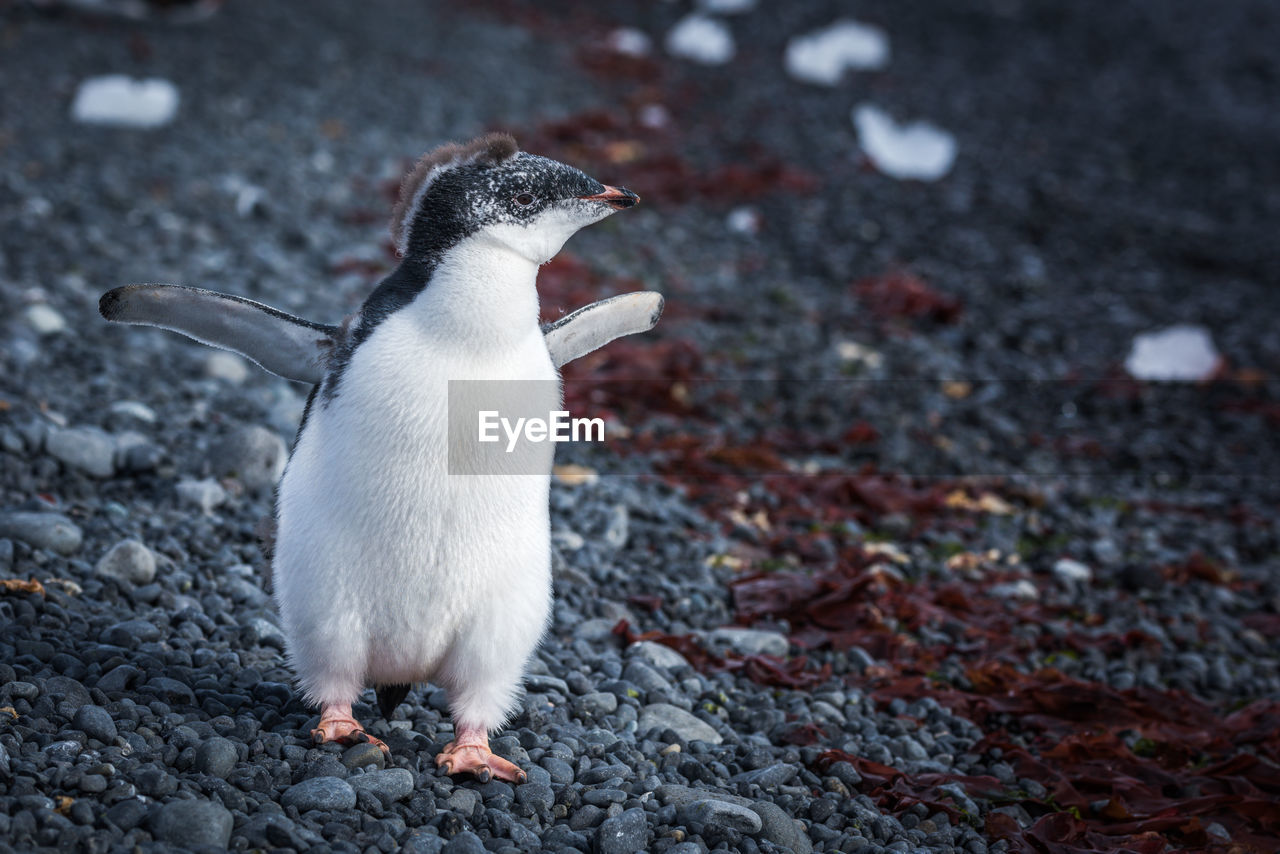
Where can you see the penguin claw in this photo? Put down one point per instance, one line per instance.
(476, 759)
(343, 729)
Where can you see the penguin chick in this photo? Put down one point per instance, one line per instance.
(387, 569)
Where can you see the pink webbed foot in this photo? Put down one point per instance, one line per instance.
(469, 754)
(337, 724)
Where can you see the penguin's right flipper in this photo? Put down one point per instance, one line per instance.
(285, 345)
(592, 326)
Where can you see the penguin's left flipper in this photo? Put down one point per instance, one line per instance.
(592, 326)
(285, 345)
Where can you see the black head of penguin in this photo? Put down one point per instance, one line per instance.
(489, 189)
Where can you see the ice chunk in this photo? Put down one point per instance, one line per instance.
(701, 39)
(115, 99)
(1182, 352)
(823, 56)
(629, 41)
(918, 151)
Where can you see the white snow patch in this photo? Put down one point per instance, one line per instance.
(823, 56)
(701, 39)
(1068, 570)
(1182, 352)
(726, 7)
(115, 99)
(44, 319)
(1022, 589)
(654, 116)
(629, 41)
(743, 220)
(917, 151)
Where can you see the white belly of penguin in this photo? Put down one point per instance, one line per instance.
(385, 560)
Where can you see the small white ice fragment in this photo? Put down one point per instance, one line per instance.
(654, 116)
(629, 41)
(917, 151)
(44, 319)
(115, 99)
(823, 56)
(743, 220)
(1068, 570)
(701, 39)
(1182, 352)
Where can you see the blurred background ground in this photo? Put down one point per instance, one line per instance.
(891, 419)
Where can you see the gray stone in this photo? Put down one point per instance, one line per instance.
(86, 449)
(623, 834)
(191, 823)
(254, 455)
(130, 633)
(601, 773)
(206, 494)
(561, 772)
(596, 705)
(685, 725)
(50, 531)
(263, 632)
(423, 841)
(465, 842)
(751, 641)
(71, 691)
(657, 655)
(769, 777)
(365, 754)
(137, 453)
(775, 824)
(710, 811)
(463, 802)
(393, 784)
(536, 796)
(133, 410)
(781, 829)
(540, 683)
(216, 757)
(646, 678)
(129, 561)
(95, 722)
(320, 793)
(595, 630)
(618, 530)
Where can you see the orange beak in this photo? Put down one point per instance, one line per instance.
(617, 198)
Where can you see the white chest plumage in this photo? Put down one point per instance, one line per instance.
(388, 569)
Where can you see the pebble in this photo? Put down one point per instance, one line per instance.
(222, 365)
(666, 716)
(1071, 571)
(254, 455)
(192, 823)
(751, 641)
(95, 722)
(86, 449)
(596, 704)
(393, 784)
(44, 319)
(625, 833)
(216, 757)
(364, 754)
(320, 793)
(51, 531)
(129, 561)
(722, 813)
(465, 842)
(205, 494)
(658, 655)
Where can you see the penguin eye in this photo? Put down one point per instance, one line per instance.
(524, 200)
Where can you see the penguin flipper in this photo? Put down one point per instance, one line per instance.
(390, 696)
(592, 326)
(285, 345)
